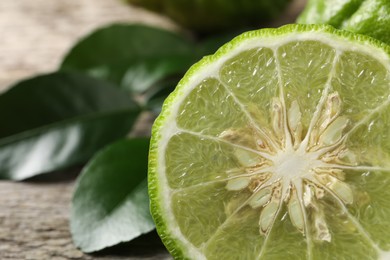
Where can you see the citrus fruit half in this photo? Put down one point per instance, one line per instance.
(277, 147)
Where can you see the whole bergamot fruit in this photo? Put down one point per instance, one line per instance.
(212, 15)
(369, 17)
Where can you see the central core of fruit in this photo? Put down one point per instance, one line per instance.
(295, 165)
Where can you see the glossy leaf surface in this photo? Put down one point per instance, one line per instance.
(111, 204)
(57, 120)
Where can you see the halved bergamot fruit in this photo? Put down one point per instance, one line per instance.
(277, 147)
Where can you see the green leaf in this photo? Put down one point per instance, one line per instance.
(212, 43)
(110, 203)
(57, 120)
(156, 96)
(148, 73)
(140, 59)
(132, 56)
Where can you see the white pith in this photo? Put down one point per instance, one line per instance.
(298, 171)
(289, 161)
(290, 165)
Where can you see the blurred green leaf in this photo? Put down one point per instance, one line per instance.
(57, 120)
(212, 43)
(146, 74)
(132, 56)
(110, 203)
(210, 16)
(140, 59)
(156, 96)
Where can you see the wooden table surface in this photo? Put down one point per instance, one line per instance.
(34, 36)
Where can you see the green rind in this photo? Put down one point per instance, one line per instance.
(174, 246)
(368, 17)
(372, 18)
(206, 16)
(315, 10)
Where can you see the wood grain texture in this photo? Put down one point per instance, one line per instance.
(34, 224)
(35, 35)
(34, 221)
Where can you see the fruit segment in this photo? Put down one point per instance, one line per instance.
(194, 160)
(365, 77)
(347, 238)
(210, 109)
(239, 231)
(251, 77)
(284, 241)
(200, 211)
(371, 207)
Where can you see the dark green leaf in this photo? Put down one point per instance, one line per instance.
(140, 59)
(157, 93)
(132, 56)
(146, 74)
(156, 96)
(211, 44)
(57, 120)
(110, 204)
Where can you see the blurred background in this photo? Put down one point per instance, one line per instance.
(35, 35)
